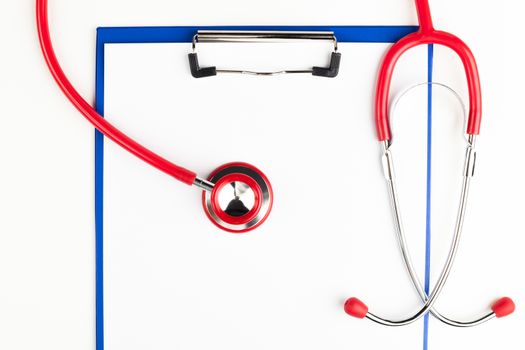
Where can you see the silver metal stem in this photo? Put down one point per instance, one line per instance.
(203, 184)
(388, 166)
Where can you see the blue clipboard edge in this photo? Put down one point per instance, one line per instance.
(184, 34)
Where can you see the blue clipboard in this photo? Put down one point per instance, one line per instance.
(184, 34)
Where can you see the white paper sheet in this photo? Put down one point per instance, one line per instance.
(175, 281)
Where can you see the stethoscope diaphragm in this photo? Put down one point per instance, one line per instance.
(241, 198)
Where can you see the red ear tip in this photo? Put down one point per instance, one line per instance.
(355, 307)
(503, 307)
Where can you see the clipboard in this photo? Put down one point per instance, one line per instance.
(151, 35)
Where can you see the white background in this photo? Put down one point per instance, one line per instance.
(46, 222)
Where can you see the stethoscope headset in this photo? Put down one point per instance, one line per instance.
(237, 197)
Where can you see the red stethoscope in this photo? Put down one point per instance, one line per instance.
(238, 197)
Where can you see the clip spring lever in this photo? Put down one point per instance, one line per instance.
(225, 36)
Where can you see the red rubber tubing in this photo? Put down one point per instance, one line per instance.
(426, 35)
(101, 124)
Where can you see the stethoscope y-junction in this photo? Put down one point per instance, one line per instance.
(237, 197)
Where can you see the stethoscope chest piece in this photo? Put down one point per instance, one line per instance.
(241, 198)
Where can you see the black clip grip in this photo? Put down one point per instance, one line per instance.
(332, 70)
(198, 72)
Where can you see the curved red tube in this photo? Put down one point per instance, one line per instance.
(424, 16)
(91, 114)
(426, 35)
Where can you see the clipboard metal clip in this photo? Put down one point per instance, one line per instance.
(226, 36)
